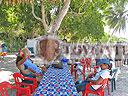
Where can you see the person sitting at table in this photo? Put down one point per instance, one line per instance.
(24, 69)
(27, 68)
(98, 78)
(29, 63)
(27, 72)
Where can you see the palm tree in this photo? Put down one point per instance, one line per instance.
(117, 16)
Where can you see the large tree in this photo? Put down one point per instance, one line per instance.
(49, 47)
(83, 19)
(50, 25)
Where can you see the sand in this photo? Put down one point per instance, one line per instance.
(7, 68)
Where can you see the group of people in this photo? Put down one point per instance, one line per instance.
(96, 78)
(29, 69)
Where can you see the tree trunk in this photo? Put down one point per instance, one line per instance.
(56, 24)
(0, 1)
(49, 47)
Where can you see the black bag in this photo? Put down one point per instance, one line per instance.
(59, 65)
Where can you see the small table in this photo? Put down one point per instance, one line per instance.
(57, 82)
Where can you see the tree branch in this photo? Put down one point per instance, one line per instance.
(0, 1)
(43, 16)
(34, 13)
(56, 24)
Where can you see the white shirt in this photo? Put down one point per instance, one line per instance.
(104, 74)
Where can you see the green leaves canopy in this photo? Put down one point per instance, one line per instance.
(84, 20)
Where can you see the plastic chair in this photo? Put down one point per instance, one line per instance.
(4, 86)
(73, 71)
(95, 71)
(99, 91)
(19, 78)
(88, 63)
(83, 63)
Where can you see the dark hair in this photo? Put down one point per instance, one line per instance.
(18, 59)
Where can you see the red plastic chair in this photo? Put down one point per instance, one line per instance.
(73, 71)
(108, 85)
(99, 91)
(18, 81)
(88, 63)
(4, 86)
(83, 63)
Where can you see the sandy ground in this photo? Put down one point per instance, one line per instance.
(7, 68)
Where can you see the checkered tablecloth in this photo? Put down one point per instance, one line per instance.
(57, 82)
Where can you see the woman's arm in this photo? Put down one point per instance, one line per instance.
(99, 81)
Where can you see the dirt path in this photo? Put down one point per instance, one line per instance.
(122, 83)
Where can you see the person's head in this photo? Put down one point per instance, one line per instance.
(21, 53)
(26, 52)
(104, 63)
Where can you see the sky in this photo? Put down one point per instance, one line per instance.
(117, 34)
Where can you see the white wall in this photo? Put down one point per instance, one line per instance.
(32, 43)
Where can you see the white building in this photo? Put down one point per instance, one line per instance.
(32, 46)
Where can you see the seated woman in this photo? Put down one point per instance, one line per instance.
(24, 69)
(25, 54)
(104, 73)
(27, 68)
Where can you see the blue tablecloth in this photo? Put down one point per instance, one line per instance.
(57, 82)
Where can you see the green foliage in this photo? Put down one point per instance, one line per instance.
(87, 25)
(83, 22)
(17, 25)
(114, 39)
(116, 16)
